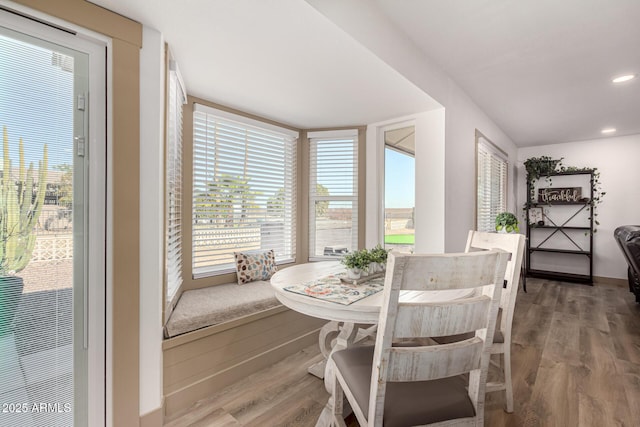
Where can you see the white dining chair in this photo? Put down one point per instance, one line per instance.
(393, 385)
(514, 244)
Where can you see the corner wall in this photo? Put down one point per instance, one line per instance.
(368, 25)
(617, 161)
(152, 101)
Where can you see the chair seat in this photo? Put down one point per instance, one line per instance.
(406, 404)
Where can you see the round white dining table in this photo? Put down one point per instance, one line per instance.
(348, 324)
(365, 310)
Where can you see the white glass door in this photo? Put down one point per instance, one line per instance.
(399, 189)
(45, 281)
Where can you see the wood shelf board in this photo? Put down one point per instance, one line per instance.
(536, 204)
(559, 227)
(568, 277)
(560, 251)
(583, 172)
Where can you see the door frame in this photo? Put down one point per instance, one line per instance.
(381, 146)
(98, 48)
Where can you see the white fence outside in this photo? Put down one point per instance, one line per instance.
(53, 247)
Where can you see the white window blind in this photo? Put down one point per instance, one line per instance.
(333, 193)
(244, 189)
(492, 184)
(176, 98)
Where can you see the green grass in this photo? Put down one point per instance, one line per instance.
(400, 239)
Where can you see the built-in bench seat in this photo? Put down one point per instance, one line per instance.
(199, 308)
(220, 334)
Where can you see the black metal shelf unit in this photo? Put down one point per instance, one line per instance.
(561, 229)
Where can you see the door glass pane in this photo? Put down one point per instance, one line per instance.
(399, 189)
(39, 220)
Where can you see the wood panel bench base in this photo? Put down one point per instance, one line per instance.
(200, 363)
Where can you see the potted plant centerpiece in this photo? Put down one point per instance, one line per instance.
(20, 209)
(506, 222)
(357, 263)
(378, 259)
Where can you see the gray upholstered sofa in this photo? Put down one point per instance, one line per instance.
(628, 238)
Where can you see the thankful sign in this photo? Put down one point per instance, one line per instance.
(560, 195)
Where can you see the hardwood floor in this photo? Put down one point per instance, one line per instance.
(576, 362)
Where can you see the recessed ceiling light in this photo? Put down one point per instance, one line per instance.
(608, 130)
(624, 78)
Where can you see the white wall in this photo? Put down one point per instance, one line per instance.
(463, 118)
(368, 25)
(430, 219)
(617, 162)
(151, 218)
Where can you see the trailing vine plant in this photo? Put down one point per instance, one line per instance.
(545, 166)
(538, 167)
(598, 194)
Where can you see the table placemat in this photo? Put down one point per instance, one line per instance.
(333, 289)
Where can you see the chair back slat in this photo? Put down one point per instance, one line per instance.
(433, 362)
(444, 271)
(437, 320)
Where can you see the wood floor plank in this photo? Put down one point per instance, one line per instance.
(568, 300)
(631, 383)
(554, 379)
(601, 383)
(575, 357)
(625, 330)
(258, 401)
(304, 413)
(218, 418)
(548, 294)
(203, 411)
(593, 314)
(532, 328)
(563, 340)
(615, 299)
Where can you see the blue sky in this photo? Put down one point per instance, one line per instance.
(399, 186)
(36, 103)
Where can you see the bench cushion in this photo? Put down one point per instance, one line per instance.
(199, 308)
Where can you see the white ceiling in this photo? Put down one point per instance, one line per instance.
(541, 69)
(281, 60)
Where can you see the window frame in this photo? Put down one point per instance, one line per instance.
(315, 137)
(173, 76)
(496, 153)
